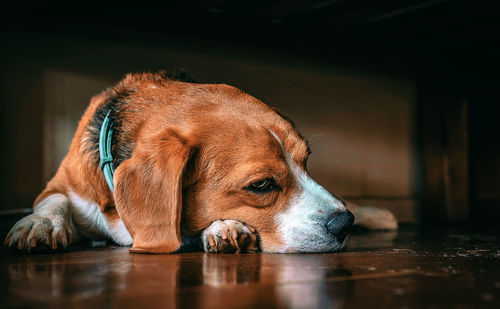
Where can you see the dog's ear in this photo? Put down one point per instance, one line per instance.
(148, 192)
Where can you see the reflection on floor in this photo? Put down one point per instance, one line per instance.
(425, 268)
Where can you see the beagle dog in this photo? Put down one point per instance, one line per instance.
(158, 162)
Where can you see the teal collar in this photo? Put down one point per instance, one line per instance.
(105, 150)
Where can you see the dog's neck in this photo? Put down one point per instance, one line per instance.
(105, 137)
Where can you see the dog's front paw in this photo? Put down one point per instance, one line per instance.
(229, 236)
(39, 231)
(375, 218)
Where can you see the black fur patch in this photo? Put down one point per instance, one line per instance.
(121, 146)
(179, 75)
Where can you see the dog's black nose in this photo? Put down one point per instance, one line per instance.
(340, 225)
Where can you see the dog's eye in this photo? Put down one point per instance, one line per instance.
(263, 186)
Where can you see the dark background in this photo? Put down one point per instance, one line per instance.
(399, 98)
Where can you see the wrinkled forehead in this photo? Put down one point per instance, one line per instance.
(233, 142)
(244, 128)
(238, 146)
(291, 142)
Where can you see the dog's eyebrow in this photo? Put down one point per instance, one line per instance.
(288, 159)
(276, 137)
(292, 123)
(308, 147)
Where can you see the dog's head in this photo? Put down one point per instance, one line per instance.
(219, 153)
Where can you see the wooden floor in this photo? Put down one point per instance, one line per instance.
(409, 269)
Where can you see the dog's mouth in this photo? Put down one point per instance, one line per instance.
(320, 242)
(308, 237)
(306, 229)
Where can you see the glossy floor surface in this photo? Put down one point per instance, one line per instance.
(412, 268)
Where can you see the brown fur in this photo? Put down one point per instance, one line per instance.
(196, 146)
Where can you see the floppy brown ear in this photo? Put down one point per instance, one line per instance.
(148, 192)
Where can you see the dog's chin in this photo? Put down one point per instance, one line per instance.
(307, 244)
(315, 248)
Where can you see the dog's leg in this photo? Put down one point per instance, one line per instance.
(229, 236)
(48, 225)
(373, 218)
